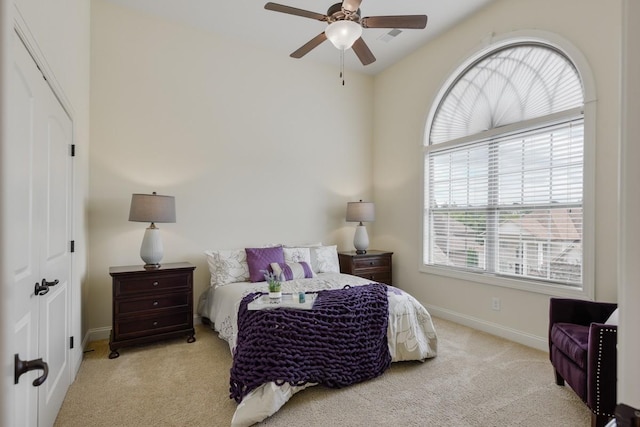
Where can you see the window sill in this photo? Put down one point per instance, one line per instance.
(545, 288)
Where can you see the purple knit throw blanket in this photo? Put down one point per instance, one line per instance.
(341, 341)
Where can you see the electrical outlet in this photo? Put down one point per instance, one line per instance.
(495, 303)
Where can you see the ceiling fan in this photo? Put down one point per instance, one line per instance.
(345, 27)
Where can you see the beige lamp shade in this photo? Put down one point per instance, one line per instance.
(360, 211)
(152, 208)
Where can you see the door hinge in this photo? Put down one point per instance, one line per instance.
(73, 150)
(73, 246)
(70, 342)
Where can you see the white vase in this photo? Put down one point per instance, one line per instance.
(275, 295)
(151, 250)
(361, 239)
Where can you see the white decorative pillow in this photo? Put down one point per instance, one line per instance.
(613, 319)
(312, 253)
(297, 254)
(227, 266)
(325, 259)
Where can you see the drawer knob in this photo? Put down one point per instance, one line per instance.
(370, 262)
(155, 303)
(155, 323)
(155, 283)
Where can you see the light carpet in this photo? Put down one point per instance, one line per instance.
(476, 380)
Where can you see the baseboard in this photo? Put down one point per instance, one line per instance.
(103, 333)
(534, 341)
(96, 334)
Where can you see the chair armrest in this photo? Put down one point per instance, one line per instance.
(601, 368)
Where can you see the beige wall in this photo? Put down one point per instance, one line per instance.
(403, 97)
(629, 231)
(256, 148)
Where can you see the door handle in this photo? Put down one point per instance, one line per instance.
(22, 366)
(45, 283)
(43, 287)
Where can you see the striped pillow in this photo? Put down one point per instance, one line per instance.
(292, 270)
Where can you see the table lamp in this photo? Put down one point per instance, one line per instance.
(152, 208)
(360, 212)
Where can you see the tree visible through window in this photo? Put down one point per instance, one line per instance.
(504, 166)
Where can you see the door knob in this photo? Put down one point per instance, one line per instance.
(22, 366)
(43, 287)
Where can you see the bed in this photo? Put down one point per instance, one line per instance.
(410, 333)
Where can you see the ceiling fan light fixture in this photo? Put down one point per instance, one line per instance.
(343, 34)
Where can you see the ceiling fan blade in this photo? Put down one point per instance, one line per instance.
(308, 46)
(399, 21)
(295, 11)
(363, 52)
(351, 5)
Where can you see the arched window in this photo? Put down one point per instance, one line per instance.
(504, 168)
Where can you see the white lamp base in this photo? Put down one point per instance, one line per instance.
(151, 250)
(361, 239)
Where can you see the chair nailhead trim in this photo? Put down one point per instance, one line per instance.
(597, 409)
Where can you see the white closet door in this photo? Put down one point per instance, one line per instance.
(23, 218)
(37, 196)
(55, 257)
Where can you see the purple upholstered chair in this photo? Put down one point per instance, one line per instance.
(582, 349)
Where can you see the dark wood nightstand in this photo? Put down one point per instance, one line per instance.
(374, 265)
(151, 304)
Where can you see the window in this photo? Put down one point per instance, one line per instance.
(504, 164)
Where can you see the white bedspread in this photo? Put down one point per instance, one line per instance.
(410, 335)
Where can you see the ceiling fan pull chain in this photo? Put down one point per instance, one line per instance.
(342, 65)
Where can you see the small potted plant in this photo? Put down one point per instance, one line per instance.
(275, 287)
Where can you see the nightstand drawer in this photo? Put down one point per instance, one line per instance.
(135, 285)
(153, 324)
(372, 262)
(382, 277)
(152, 303)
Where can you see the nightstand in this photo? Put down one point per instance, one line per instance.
(374, 265)
(151, 304)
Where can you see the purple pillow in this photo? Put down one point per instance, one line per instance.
(260, 258)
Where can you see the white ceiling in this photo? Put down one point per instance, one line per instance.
(248, 22)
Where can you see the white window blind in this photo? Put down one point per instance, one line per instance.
(504, 169)
(511, 85)
(510, 206)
